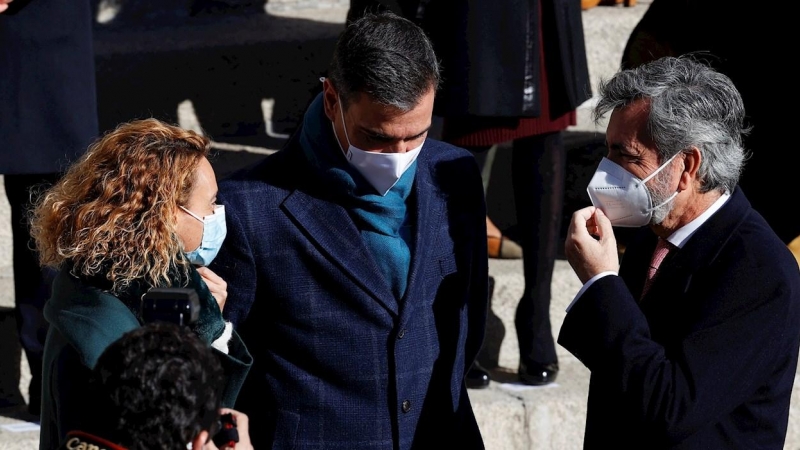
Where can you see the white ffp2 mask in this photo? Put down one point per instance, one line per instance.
(622, 197)
(381, 170)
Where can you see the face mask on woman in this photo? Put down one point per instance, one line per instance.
(214, 231)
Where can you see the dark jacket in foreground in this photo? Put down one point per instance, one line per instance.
(339, 362)
(708, 358)
(84, 321)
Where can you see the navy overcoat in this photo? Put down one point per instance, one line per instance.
(339, 362)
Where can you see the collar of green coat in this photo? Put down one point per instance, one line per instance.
(90, 317)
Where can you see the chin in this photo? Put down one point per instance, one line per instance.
(661, 214)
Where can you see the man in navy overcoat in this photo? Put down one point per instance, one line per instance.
(356, 261)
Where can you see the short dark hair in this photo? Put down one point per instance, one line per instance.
(387, 57)
(158, 388)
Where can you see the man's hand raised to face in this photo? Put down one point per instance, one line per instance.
(591, 247)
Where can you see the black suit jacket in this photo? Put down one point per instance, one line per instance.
(707, 359)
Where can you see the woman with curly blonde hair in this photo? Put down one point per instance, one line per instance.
(136, 211)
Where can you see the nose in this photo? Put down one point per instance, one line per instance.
(398, 147)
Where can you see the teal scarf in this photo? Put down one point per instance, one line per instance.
(383, 221)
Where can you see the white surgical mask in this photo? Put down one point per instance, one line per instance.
(214, 232)
(624, 198)
(381, 170)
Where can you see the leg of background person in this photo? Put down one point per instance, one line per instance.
(31, 283)
(10, 359)
(498, 245)
(538, 179)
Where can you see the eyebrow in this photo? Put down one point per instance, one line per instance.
(622, 149)
(386, 137)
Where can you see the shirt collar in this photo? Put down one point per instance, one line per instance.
(682, 234)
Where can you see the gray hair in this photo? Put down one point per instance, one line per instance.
(387, 57)
(691, 105)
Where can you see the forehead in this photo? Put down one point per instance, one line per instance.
(627, 126)
(205, 182)
(373, 115)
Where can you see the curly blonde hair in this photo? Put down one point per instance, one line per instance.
(112, 214)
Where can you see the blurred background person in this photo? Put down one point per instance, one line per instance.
(719, 39)
(137, 210)
(516, 71)
(48, 116)
(156, 388)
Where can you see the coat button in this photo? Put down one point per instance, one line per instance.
(406, 406)
(401, 334)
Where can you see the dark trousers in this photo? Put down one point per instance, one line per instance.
(31, 282)
(538, 174)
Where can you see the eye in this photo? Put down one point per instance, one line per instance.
(379, 139)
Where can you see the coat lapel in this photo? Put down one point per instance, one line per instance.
(330, 227)
(700, 251)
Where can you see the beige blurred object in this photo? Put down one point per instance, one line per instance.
(586, 4)
(794, 246)
(501, 247)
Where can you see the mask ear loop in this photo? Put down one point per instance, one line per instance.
(192, 214)
(649, 177)
(344, 124)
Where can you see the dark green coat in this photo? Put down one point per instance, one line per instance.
(84, 320)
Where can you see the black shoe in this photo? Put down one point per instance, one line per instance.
(538, 374)
(477, 377)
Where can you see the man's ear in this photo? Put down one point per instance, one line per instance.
(330, 99)
(692, 157)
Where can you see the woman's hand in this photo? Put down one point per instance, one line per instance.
(217, 286)
(243, 428)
